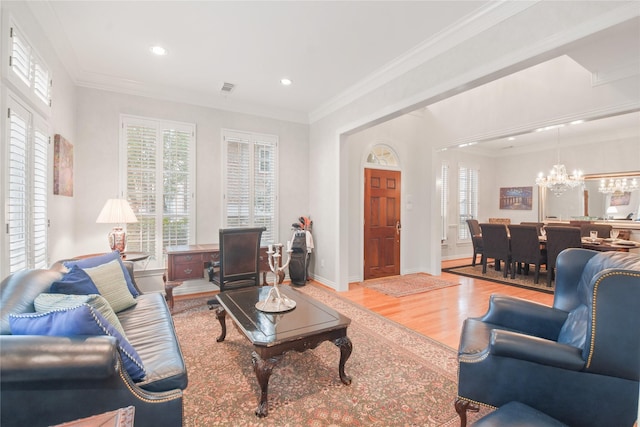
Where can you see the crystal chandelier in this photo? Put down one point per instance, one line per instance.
(558, 180)
(618, 185)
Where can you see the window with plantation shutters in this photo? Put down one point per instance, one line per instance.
(444, 200)
(28, 66)
(26, 194)
(467, 200)
(159, 181)
(250, 183)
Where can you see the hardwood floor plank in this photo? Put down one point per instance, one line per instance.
(439, 314)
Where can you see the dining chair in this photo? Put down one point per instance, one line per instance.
(559, 238)
(603, 230)
(239, 262)
(495, 244)
(526, 250)
(538, 226)
(476, 239)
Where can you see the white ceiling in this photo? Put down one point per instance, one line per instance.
(325, 47)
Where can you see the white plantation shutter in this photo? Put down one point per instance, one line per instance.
(250, 182)
(20, 56)
(467, 200)
(160, 170)
(444, 200)
(27, 180)
(29, 67)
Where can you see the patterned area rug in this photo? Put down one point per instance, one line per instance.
(400, 378)
(409, 284)
(492, 275)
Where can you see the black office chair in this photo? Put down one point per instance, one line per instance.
(476, 238)
(239, 264)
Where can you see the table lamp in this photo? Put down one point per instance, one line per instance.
(117, 211)
(611, 211)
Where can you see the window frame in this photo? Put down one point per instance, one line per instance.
(28, 88)
(157, 259)
(471, 204)
(255, 166)
(37, 187)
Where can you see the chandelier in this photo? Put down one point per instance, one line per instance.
(558, 180)
(618, 185)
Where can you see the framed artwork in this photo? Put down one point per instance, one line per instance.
(62, 167)
(516, 198)
(620, 199)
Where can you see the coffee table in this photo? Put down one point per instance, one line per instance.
(273, 334)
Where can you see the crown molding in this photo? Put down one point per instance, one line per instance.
(473, 24)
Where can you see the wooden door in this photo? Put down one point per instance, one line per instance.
(381, 223)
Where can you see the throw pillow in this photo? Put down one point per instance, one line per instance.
(80, 320)
(48, 302)
(75, 282)
(110, 281)
(103, 259)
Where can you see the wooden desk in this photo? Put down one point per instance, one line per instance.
(185, 262)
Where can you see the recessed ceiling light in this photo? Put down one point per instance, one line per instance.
(285, 81)
(158, 50)
(511, 138)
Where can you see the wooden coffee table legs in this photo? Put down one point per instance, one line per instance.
(264, 367)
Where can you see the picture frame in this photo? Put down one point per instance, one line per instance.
(622, 199)
(516, 198)
(62, 166)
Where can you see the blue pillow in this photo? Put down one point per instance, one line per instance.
(103, 259)
(75, 282)
(80, 320)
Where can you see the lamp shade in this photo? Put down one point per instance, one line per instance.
(116, 211)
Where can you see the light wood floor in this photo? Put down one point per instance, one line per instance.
(438, 314)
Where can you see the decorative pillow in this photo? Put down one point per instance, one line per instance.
(75, 282)
(111, 284)
(103, 259)
(80, 320)
(48, 302)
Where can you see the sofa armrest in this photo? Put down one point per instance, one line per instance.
(43, 358)
(536, 350)
(525, 316)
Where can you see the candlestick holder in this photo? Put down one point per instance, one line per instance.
(276, 302)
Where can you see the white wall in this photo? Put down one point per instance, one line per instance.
(531, 35)
(408, 138)
(97, 161)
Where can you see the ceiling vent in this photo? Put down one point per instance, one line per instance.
(227, 87)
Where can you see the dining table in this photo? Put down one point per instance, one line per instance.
(603, 245)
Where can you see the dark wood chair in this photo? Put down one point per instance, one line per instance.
(604, 230)
(239, 264)
(525, 250)
(559, 238)
(538, 226)
(476, 238)
(495, 244)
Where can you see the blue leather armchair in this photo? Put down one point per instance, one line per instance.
(577, 361)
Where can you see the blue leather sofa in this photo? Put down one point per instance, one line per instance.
(577, 361)
(47, 380)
